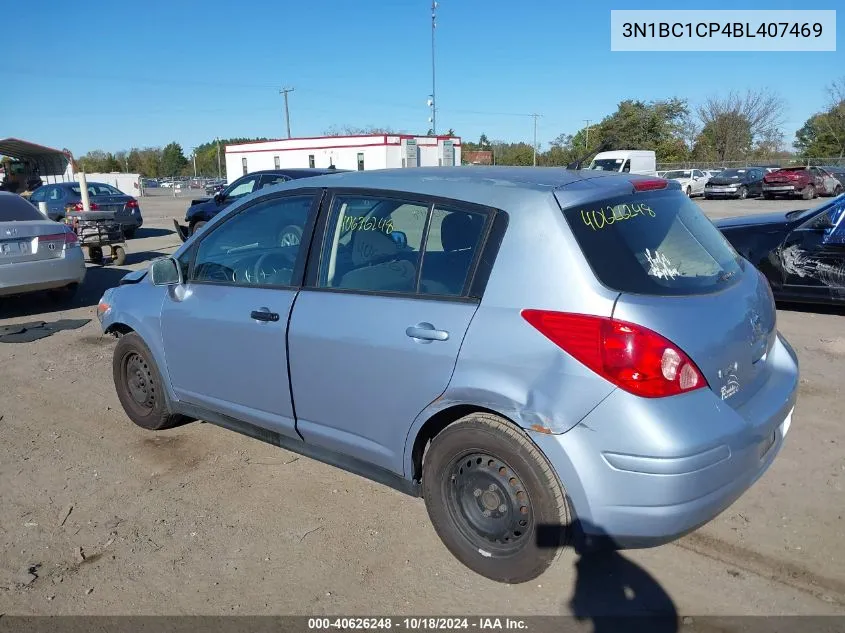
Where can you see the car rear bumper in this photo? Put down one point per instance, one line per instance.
(782, 189)
(20, 278)
(644, 472)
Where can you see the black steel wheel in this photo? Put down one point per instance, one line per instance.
(494, 499)
(95, 254)
(139, 385)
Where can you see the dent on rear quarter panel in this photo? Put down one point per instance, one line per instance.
(506, 365)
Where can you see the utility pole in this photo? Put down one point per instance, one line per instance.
(587, 138)
(219, 173)
(194, 151)
(433, 100)
(535, 117)
(285, 91)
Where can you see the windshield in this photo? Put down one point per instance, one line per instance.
(654, 244)
(607, 164)
(732, 173)
(16, 209)
(678, 173)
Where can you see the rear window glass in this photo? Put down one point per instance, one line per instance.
(657, 243)
(97, 190)
(16, 209)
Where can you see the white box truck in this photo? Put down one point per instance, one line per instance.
(634, 161)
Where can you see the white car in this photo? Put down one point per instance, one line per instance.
(692, 180)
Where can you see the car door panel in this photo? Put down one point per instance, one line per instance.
(813, 259)
(359, 379)
(369, 352)
(225, 329)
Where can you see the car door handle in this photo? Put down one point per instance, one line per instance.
(426, 332)
(264, 314)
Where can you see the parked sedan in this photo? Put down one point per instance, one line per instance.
(35, 252)
(735, 183)
(804, 182)
(414, 335)
(202, 210)
(66, 197)
(692, 181)
(801, 253)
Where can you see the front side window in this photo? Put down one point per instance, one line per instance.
(831, 223)
(258, 246)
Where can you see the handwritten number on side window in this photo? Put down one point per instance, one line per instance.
(598, 219)
(363, 223)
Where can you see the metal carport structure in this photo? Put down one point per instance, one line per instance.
(48, 161)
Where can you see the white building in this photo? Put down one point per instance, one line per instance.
(370, 151)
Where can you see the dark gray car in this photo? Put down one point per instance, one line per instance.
(66, 197)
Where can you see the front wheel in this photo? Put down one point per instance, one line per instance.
(494, 499)
(742, 194)
(689, 192)
(139, 386)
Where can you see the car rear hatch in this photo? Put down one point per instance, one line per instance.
(114, 204)
(31, 241)
(678, 276)
(786, 177)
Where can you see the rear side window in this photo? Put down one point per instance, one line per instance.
(653, 243)
(16, 209)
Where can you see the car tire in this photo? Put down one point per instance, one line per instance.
(139, 385)
(64, 294)
(742, 193)
(95, 254)
(474, 468)
(837, 191)
(809, 192)
(689, 192)
(196, 226)
(129, 233)
(118, 254)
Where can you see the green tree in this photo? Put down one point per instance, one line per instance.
(823, 134)
(737, 126)
(173, 161)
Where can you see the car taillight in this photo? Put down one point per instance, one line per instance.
(630, 356)
(78, 206)
(132, 204)
(67, 237)
(650, 184)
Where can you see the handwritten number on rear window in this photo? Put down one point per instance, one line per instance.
(598, 219)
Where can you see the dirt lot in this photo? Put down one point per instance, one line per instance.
(101, 517)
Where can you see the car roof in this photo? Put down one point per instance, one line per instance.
(491, 186)
(298, 172)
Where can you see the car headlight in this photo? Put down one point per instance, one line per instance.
(105, 304)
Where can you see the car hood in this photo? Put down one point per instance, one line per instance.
(204, 207)
(758, 219)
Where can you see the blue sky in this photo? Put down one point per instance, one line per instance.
(115, 75)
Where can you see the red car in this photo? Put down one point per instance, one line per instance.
(806, 182)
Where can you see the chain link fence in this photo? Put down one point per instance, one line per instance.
(739, 164)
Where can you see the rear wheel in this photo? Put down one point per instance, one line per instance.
(494, 499)
(139, 385)
(196, 226)
(809, 192)
(129, 233)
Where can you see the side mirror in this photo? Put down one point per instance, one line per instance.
(218, 197)
(165, 272)
(399, 238)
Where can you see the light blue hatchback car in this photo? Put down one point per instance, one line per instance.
(546, 356)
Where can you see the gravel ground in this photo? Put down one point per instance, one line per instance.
(101, 517)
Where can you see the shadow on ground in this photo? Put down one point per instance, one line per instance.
(151, 232)
(814, 308)
(611, 592)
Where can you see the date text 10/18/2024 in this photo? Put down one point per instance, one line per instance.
(418, 623)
